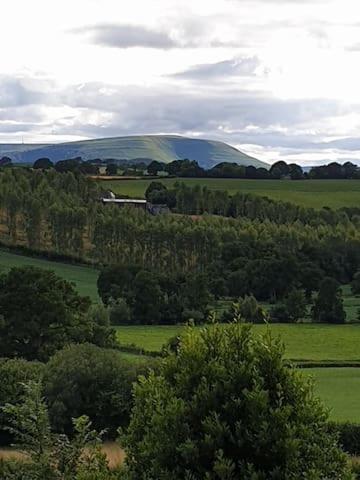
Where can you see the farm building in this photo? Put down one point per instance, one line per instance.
(126, 202)
(136, 203)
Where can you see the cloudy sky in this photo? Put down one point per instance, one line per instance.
(279, 79)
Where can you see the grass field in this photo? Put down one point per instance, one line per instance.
(339, 388)
(312, 193)
(303, 341)
(85, 278)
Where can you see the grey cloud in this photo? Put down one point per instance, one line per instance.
(127, 36)
(220, 114)
(14, 93)
(245, 66)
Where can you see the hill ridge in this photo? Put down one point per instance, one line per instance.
(164, 148)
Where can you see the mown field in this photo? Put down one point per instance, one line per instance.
(312, 193)
(84, 277)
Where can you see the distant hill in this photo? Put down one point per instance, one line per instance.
(164, 148)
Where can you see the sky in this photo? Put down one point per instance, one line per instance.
(278, 79)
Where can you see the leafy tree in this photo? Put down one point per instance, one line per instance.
(155, 167)
(43, 164)
(41, 313)
(251, 311)
(88, 380)
(111, 169)
(120, 313)
(280, 169)
(355, 284)
(155, 188)
(116, 281)
(103, 335)
(148, 298)
(329, 306)
(227, 406)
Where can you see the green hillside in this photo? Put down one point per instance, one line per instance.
(164, 148)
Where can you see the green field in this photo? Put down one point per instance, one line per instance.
(303, 341)
(339, 388)
(85, 278)
(311, 193)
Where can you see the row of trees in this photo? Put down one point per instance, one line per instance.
(279, 170)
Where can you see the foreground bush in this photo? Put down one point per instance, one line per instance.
(88, 380)
(226, 406)
(13, 374)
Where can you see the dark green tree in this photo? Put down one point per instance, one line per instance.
(41, 313)
(328, 307)
(111, 169)
(227, 406)
(155, 167)
(355, 284)
(88, 380)
(43, 164)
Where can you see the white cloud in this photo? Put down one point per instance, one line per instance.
(279, 77)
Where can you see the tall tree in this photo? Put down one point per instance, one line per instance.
(329, 307)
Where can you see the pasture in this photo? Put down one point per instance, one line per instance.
(310, 342)
(311, 193)
(339, 388)
(84, 277)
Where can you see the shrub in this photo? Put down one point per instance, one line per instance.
(120, 312)
(88, 380)
(227, 406)
(13, 374)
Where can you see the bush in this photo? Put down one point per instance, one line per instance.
(227, 406)
(88, 380)
(13, 374)
(329, 305)
(120, 313)
(349, 436)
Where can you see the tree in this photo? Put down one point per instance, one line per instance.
(88, 380)
(280, 169)
(148, 298)
(155, 167)
(43, 164)
(155, 188)
(251, 311)
(329, 306)
(111, 169)
(120, 313)
(41, 313)
(227, 406)
(5, 162)
(355, 284)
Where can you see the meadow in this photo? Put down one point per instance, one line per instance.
(84, 277)
(312, 193)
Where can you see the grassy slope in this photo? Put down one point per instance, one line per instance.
(85, 278)
(314, 193)
(165, 148)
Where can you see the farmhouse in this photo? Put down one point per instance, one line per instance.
(142, 204)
